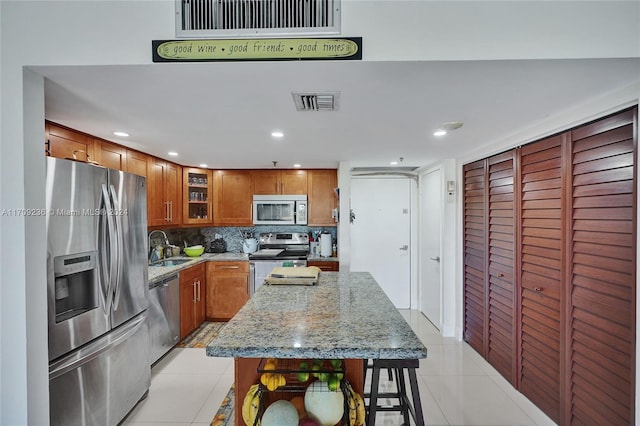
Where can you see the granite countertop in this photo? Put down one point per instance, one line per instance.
(157, 273)
(346, 315)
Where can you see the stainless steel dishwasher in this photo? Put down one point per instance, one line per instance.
(164, 316)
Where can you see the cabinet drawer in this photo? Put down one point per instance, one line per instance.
(229, 266)
(190, 274)
(325, 266)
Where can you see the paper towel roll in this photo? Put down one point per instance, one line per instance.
(325, 245)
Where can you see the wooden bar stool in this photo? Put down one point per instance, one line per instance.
(405, 406)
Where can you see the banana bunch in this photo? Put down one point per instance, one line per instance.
(356, 407)
(272, 380)
(251, 405)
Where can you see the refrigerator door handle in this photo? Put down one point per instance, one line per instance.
(95, 349)
(108, 259)
(116, 216)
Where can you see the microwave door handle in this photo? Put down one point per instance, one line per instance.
(118, 237)
(109, 240)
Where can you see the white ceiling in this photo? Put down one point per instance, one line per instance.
(223, 113)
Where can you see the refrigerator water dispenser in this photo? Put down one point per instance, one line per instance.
(76, 285)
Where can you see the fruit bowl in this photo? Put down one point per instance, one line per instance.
(194, 251)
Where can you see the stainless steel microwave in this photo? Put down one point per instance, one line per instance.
(279, 209)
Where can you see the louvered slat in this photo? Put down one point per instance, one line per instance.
(541, 266)
(603, 272)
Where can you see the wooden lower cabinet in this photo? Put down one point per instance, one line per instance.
(549, 269)
(192, 298)
(227, 288)
(325, 265)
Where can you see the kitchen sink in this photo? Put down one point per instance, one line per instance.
(170, 262)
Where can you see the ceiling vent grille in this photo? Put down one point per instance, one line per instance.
(250, 18)
(325, 101)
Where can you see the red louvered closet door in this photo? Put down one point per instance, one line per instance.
(474, 254)
(541, 273)
(602, 273)
(501, 289)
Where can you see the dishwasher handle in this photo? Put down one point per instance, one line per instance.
(164, 282)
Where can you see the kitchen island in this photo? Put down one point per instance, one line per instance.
(345, 316)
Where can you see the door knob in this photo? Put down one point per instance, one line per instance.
(404, 247)
(437, 258)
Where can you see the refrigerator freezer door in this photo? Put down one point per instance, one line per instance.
(76, 292)
(129, 211)
(100, 383)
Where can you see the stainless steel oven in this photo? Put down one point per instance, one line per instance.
(277, 249)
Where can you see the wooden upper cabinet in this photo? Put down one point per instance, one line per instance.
(197, 190)
(321, 196)
(62, 142)
(164, 192)
(233, 197)
(110, 155)
(136, 162)
(288, 182)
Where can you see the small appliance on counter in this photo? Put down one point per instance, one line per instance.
(325, 245)
(218, 245)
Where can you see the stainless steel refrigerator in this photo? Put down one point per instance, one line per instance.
(97, 293)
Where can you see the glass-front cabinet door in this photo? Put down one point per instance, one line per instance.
(198, 196)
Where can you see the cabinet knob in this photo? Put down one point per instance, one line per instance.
(538, 289)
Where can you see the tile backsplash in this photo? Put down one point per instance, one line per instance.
(234, 236)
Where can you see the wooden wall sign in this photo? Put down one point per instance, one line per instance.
(262, 49)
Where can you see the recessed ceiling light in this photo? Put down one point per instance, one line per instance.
(203, 165)
(394, 163)
(122, 134)
(277, 134)
(440, 132)
(172, 153)
(297, 165)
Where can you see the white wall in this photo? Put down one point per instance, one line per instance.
(118, 32)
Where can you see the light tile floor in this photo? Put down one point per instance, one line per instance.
(457, 387)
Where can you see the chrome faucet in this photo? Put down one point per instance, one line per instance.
(153, 254)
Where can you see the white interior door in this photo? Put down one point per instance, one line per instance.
(381, 234)
(430, 230)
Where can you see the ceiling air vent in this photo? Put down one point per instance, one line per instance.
(251, 18)
(325, 101)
